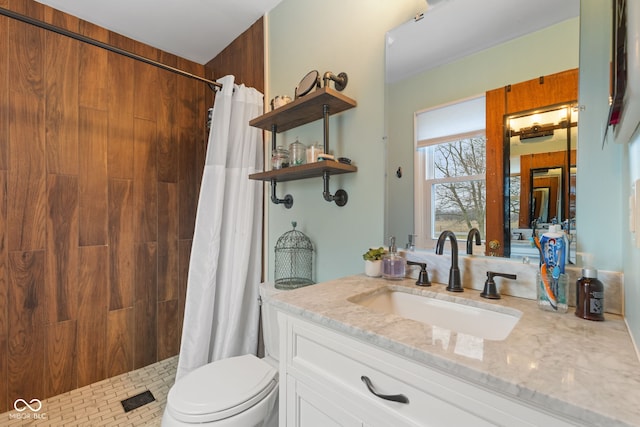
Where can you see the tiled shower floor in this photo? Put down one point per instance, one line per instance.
(99, 404)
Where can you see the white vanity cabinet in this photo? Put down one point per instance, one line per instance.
(321, 385)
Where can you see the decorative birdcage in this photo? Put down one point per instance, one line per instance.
(294, 260)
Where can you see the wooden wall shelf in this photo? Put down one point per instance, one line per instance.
(304, 110)
(319, 104)
(309, 170)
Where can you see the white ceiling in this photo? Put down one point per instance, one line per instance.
(452, 29)
(200, 29)
(193, 29)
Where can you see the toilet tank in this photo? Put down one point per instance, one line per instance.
(270, 321)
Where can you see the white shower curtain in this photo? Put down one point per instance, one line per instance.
(221, 310)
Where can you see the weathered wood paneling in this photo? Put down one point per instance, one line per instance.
(169, 329)
(60, 358)
(146, 78)
(145, 185)
(189, 172)
(4, 93)
(168, 285)
(121, 244)
(27, 198)
(167, 129)
(146, 328)
(120, 131)
(61, 87)
(26, 340)
(92, 314)
(93, 77)
(4, 295)
(184, 257)
(496, 106)
(62, 248)
(547, 90)
(120, 335)
(93, 177)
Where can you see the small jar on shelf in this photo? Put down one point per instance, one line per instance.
(297, 153)
(280, 158)
(313, 151)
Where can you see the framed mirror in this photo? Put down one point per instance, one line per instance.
(540, 157)
(540, 205)
(433, 83)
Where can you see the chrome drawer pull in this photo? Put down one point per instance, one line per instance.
(393, 397)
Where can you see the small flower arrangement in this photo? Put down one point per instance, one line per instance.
(374, 254)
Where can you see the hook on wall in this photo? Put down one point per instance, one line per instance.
(399, 172)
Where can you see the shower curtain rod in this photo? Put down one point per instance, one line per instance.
(213, 85)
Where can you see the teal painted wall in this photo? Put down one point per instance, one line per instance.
(630, 161)
(600, 185)
(337, 36)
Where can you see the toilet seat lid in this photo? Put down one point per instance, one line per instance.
(221, 389)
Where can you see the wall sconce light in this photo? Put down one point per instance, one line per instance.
(535, 131)
(531, 128)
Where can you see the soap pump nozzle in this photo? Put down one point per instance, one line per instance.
(393, 265)
(392, 245)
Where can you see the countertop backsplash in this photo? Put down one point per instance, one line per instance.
(473, 272)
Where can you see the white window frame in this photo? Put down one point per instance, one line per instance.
(423, 197)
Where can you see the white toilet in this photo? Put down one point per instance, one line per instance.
(239, 391)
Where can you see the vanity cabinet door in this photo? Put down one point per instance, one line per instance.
(315, 406)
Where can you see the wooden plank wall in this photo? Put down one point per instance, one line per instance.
(100, 165)
(244, 58)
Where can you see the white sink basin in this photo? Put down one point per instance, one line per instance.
(481, 320)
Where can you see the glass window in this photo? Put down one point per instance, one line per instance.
(455, 183)
(450, 186)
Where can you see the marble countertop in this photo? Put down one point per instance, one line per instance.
(587, 371)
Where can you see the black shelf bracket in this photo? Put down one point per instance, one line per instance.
(288, 199)
(341, 197)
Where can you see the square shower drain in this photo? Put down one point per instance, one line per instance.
(137, 401)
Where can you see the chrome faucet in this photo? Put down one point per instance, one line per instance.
(473, 232)
(454, 271)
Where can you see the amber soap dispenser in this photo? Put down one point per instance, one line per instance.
(589, 292)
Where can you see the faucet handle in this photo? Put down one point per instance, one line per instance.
(490, 290)
(411, 245)
(423, 276)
